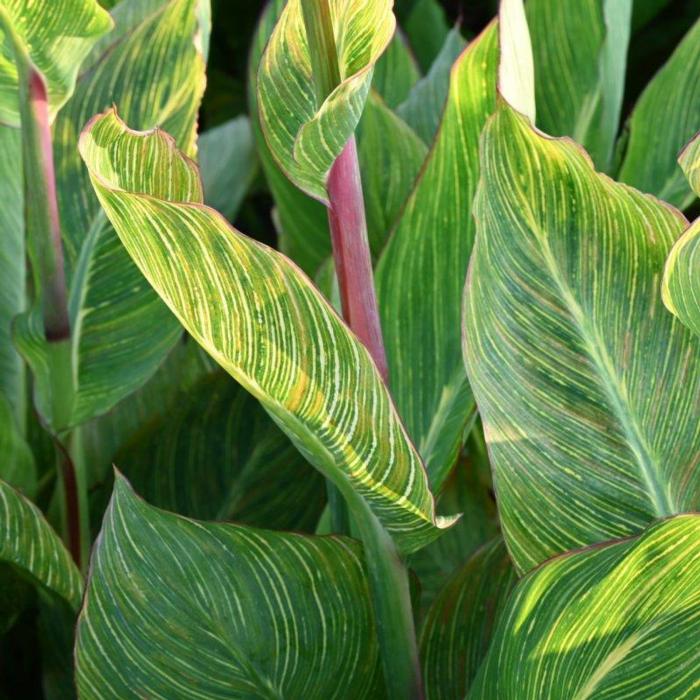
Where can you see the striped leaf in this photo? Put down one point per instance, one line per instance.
(580, 50)
(458, 627)
(264, 323)
(586, 385)
(177, 608)
(615, 621)
(28, 543)
(254, 475)
(55, 37)
(671, 99)
(305, 137)
(681, 283)
(430, 247)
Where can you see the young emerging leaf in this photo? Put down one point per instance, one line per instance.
(681, 283)
(619, 620)
(264, 322)
(177, 608)
(305, 135)
(586, 385)
(55, 37)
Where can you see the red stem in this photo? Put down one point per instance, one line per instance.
(353, 262)
(71, 498)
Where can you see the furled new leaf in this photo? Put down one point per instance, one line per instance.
(177, 608)
(264, 322)
(55, 37)
(681, 283)
(587, 387)
(615, 621)
(664, 119)
(305, 135)
(421, 273)
(28, 543)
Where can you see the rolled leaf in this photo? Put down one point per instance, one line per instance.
(55, 37)
(177, 608)
(681, 283)
(264, 323)
(586, 385)
(613, 621)
(28, 543)
(420, 276)
(306, 135)
(665, 118)
(458, 627)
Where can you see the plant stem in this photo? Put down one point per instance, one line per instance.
(388, 576)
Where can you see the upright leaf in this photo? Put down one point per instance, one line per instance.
(303, 137)
(681, 283)
(17, 466)
(55, 40)
(177, 608)
(614, 621)
(264, 322)
(421, 273)
(396, 72)
(664, 119)
(426, 27)
(586, 385)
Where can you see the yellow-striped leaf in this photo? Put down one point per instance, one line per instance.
(264, 322)
(28, 543)
(430, 251)
(588, 388)
(681, 283)
(178, 609)
(664, 119)
(305, 137)
(55, 37)
(616, 621)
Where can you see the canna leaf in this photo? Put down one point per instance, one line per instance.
(574, 362)
(55, 37)
(458, 627)
(264, 322)
(396, 72)
(426, 27)
(28, 543)
(177, 608)
(681, 284)
(664, 119)
(593, 623)
(303, 137)
(228, 164)
(430, 248)
(18, 468)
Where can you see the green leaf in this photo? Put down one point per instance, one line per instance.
(304, 137)
(458, 627)
(228, 164)
(614, 621)
(421, 273)
(55, 37)
(580, 82)
(17, 466)
(396, 72)
(302, 222)
(427, 28)
(264, 322)
(121, 331)
(422, 109)
(664, 119)
(241, 613)
(571, 355)
(681, 283)
(28, 543)
(254, 475)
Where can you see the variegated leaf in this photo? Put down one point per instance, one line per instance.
(430, 248)
(264, 322)
(587, 387)
(177, 609)
(305, 134)
(619, 620)
(681, 283)
(55, 37)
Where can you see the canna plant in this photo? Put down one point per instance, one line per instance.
(442, 440)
